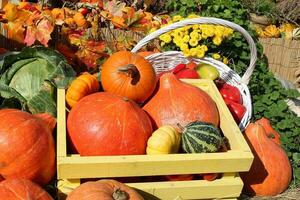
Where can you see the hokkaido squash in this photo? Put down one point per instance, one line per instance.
(83, 85)
(13, 189)
(176, 102)
(105, 124)
(26, 146)
(104, 190)
(129, 75)
(271, 133)
(270, 172)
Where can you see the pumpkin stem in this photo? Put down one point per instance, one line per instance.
(131, 71)
(119, 194)
(180, 127)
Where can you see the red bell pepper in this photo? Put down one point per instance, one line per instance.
(237, 110)
(230, 92)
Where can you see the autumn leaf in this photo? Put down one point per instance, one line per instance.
(15, 31)
(114, 7)
(119, 22)
(44, 30)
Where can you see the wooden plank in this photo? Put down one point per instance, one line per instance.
(229, 188)
(61, 124)
(146, 165)
(198, 189)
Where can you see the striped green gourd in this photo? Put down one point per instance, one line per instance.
(201, 137)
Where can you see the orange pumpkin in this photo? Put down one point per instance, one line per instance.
(270, 172)
(104, 190)
(26, 146)
(82, 86)
(145, 53)
(13, 189)
(177, 102)
(271, 133)
(129, 75)
(105, 124)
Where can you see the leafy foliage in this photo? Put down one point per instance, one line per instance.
(268, 95)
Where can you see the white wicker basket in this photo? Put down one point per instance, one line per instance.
(166, 61)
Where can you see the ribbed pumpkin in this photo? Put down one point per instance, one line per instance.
(270, 131)
(178, 102)
(104, 190)
(164, 140)
(129, 75)
(201, 137)
(26, 146)
(270, 172)
(105, 124)
(13, 189)
(83, 85)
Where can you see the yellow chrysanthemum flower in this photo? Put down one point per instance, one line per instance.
(194, 51)
(177, 18)
(184, 46)
(216, 56)
(225, 60)
(194, 34)
(193, 42)
(162, 44)
(200, 53)
(195, 27)
(166, 38)
(202, 47)
(227, 32)
(186, 53)
(186, 38)
(217, 40)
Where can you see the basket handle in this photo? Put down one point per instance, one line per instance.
(206, 20)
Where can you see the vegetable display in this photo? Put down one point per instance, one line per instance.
(105, 124)
(28, 138)
(28, 79)
(104, 190)
(128, 74)
(178, 102)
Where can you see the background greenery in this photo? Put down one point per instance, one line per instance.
(267, 93)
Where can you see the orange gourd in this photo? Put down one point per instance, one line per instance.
(26, 146)
(271, 133)
(12, 189)
(129, 75)
(82, 86)
(270, 172)
(145, 53)
(178, 102)
(104, 190)
(105, 124)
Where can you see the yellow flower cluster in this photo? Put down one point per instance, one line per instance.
(189, 38)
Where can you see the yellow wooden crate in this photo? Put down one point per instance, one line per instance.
(73, 167)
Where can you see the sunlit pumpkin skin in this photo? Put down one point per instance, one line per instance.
(270, 172)
(129, 75)
(178, 102)
(26, 146)
(104, 190)
(13, 189)
(145, 53)
(105, 124)
(83, 85)
(165, 140)
(271, 133)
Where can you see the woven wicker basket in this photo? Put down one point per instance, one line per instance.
(168, 60)
(283, 57)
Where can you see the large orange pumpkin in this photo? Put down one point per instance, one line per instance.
(270, 172)
(128, 75)
(26, 146)
(270, 131)
(13, 189)
(105, 124)
(104, 190)
(177, 102)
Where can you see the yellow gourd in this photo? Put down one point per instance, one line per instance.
(165, 140)
(272, 31)
(82, 86)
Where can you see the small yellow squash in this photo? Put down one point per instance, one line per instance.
(165, 140)
(82, 86)
(272, 31)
